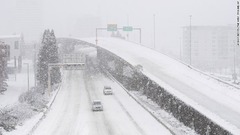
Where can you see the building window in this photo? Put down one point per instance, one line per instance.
(16, 45)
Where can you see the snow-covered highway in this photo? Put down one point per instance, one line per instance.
(71, 112)
(213, 99)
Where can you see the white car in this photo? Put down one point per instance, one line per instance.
(107, 90)
(97, 105)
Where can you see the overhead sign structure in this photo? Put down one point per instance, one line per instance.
(127, 28)
(112, 27)
(72, 66)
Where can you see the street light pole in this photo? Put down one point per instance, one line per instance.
(180, 48)
(234, 63)
(35, 65)
(190, 38)
(27, 73)
(154, 31)
(127, 25)
(140, 34)
(96, 36)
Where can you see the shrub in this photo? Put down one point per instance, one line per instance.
(35, 99)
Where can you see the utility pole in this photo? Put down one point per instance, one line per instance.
(190, 39)
(154, 31)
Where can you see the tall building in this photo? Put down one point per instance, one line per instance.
(29, 19)
(210, 47)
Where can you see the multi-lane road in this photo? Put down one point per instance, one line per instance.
(71, 112)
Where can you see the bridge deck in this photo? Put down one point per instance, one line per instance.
(214, 99)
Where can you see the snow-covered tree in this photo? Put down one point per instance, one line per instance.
(48, 53)
(54, 58)
(42, 65)
(3, 67)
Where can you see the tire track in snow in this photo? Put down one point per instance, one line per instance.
(124, 109)
(97, 80)
(70, 110)
(89, 89)
(62, 116)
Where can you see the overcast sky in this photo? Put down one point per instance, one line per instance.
(61, 15)
(140, 12)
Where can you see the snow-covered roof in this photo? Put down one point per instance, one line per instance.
(10, 36)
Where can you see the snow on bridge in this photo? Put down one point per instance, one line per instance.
(215, 100)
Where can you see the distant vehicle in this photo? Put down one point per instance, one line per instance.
(107, 90)
(97, 105)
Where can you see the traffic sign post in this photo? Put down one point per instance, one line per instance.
(140, 34)
(113, 28)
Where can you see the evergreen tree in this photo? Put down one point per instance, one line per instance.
(42, 67)
(54, 58)
(48, 54)
(3, 67)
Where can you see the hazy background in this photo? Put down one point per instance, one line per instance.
(65, 17)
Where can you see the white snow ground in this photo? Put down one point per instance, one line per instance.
(18, 86)
(214, 99)
(28, 126)
(71, 112)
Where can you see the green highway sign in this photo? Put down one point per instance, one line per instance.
(112, 27)
(127, 28)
